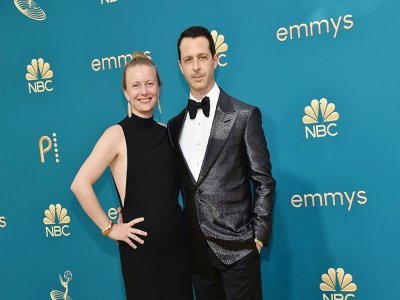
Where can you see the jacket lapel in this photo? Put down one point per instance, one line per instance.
(176, 129)
(225, 117)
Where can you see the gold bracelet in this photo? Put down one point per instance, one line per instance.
(259, 243)
(108, 228)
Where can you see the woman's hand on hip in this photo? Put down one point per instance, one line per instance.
(127, 233)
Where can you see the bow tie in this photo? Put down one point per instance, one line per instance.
(193, 106)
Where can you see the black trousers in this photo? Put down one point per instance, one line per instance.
(238, 281)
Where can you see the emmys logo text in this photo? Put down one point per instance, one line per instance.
(3, 222)
(330, 199)
(315, 27)
(108, 1)
(46, 144)
(113, 213)
(113, 62)
(56, 221)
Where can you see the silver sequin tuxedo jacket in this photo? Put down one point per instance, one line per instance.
(223, 208)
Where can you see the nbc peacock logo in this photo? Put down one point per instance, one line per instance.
(56, 221)
(39, 76)
(337, 285)
(220, 47)
(320, 112)
(30, 9)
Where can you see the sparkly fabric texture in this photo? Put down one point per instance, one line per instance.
(222, 207)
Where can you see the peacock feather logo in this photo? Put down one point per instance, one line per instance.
(320, 111)
(30, 9)
(38, 70)
(220, 46)
(337, 281)
(56, 215)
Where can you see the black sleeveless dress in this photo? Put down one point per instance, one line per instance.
(157, 269)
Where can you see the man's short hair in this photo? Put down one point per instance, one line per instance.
(194, 32)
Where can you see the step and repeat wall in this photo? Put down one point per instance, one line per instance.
(325, 75)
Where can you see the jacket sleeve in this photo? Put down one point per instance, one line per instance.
(261, 176)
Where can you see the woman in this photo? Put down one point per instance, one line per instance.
(138, 152)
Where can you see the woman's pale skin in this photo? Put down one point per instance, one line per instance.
(142, 91)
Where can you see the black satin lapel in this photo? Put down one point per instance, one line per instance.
(177, 131)
(185, 166)
(220, 130)
(176, 128)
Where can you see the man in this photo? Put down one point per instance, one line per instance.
(221, 149)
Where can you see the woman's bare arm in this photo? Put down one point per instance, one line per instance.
(107, 149)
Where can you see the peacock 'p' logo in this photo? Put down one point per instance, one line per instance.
(30, 9)
(220, 46)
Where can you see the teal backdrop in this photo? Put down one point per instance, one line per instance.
(335, 159)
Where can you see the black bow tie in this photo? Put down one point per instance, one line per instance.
(193, 106)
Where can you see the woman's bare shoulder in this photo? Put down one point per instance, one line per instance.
(112, 137)
(114, 131)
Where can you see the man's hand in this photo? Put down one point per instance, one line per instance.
(259, 247)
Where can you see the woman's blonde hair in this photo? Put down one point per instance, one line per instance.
(139, 58)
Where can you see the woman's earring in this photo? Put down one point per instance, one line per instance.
(129, 109)
(159, 105)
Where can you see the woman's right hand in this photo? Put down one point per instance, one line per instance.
(126, 232)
